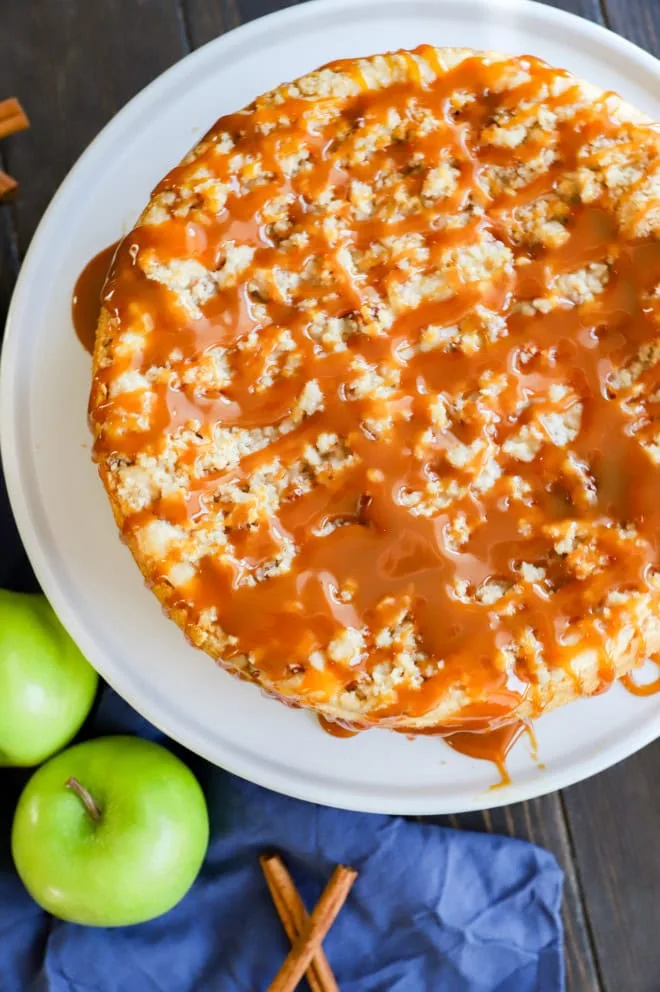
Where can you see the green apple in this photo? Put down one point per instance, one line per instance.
(110, 832)
(46, 686)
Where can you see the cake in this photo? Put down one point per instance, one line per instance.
(376, 390)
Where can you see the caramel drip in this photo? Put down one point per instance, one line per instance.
(336, 729)
(86, 302)
(642, 688)
(489, 745)
(484, 744)
(383, 551)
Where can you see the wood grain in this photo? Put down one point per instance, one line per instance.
(542, 822)
(73, 64)
(206, 19)
(591, 9)
(639, 21)
(614, 821)
(9, 259)
(15, 570)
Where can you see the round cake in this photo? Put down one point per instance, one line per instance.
(376, 390)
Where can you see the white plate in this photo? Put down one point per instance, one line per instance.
(62, 511)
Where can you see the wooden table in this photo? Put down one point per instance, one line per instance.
(74, 63)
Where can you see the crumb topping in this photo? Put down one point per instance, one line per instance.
(377, 387)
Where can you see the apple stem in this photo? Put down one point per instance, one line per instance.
(88, 801)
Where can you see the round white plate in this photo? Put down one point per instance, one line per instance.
(62, 511)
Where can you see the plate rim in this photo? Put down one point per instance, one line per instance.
(22, 497)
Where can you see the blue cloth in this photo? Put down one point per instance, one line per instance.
(433, 909)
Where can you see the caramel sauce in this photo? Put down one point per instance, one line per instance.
(486, 745)
(387, 553)
(86, 302)
(489, 745)
(533, 743)
(336, 729)
(642, 688)
(478, 741)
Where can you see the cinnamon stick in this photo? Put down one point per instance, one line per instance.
(291, 911)
(8, 186)
(12, 117)
(311, 936)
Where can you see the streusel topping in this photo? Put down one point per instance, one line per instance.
(377, 388)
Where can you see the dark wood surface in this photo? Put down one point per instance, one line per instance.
(74, 63)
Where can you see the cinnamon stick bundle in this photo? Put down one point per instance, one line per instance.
(7, 185)
(291, 911)
(311, 936)
(12, 119)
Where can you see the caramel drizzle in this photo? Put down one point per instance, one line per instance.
(642, 688)
(86, 302)
(391, 555)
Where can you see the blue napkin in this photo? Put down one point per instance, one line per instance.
(433, 909)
